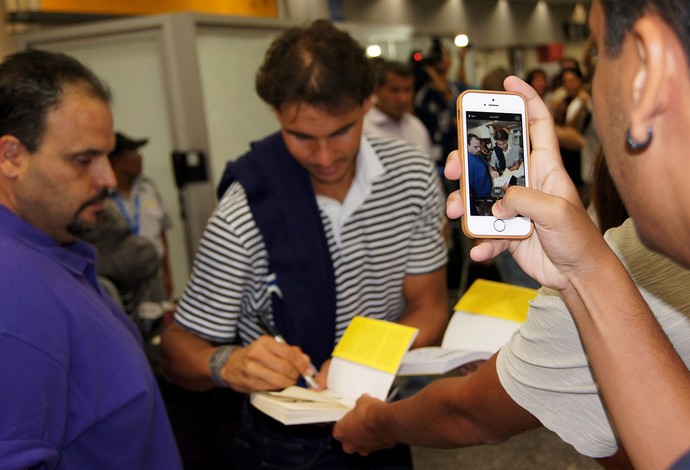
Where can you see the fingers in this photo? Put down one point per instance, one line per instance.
(546, 172)
(454, 205)
(545, 154)
(354, 433)
(453, 171)
(540, 121)
(557, 197)
(453, 168)
(488, 249)
(322, 375)
(265, 365)
(522, 201)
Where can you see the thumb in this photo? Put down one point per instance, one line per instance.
(541, 207)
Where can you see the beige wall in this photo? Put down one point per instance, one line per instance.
(7, 43)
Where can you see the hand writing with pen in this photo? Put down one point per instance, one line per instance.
(269, 363)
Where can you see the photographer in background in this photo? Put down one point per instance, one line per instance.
(434, 102)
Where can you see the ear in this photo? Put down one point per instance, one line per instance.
(649, 85)
(12, 156)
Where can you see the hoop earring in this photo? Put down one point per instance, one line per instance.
(635, 146)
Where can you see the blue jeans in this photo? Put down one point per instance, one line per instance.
(264, 443)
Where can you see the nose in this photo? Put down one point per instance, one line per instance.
(322, 154)
(104, 176)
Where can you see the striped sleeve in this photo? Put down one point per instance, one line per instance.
(228, 275)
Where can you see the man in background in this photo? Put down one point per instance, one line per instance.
(76, 390)
(390, 114)
(435, 102)
(138, 201)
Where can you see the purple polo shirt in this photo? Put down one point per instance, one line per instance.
(76, 390)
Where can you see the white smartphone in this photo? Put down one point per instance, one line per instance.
(494, 150)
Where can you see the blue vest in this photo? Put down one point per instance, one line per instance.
(283, 204)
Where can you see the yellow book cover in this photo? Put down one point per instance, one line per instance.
(375, 343)
(497, 299)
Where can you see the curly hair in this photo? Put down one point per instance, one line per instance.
(319, 65)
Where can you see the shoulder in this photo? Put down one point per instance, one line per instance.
(655, 274)
(232, 222)
(395, 154)
(147, 187)
(414, 121)
(374, 115)
(233, 202)
(145, 182)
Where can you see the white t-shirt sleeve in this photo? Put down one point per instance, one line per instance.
(545, 370)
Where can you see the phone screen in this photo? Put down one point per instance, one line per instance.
(496, 157)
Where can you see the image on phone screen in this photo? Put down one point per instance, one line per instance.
(495, 157)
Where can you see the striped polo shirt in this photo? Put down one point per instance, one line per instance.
(393, 229)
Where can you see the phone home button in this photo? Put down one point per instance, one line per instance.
(499, 225)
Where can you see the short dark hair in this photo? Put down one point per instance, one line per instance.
(471, 136)
(435, 54)
(391, 67)
(621, 16)
(501, 135)
(533, 73)
(319, 65)
(575, 71)
(32, 83)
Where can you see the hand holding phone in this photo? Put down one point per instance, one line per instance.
(494, 150)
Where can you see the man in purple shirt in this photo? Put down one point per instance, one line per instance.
(480, 180)
(76, 390)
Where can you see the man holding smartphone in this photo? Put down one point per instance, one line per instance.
(316, 224)
(641, 98)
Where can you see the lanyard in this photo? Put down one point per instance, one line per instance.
(133, 221)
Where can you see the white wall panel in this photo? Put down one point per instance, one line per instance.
(228, 61)
(132, 67)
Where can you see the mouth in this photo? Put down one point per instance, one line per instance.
(97, 206)
(326, 172)
(96, 202)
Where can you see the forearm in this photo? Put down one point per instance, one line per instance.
(426, 307)
(643, 381)
(185, 359)
(448, 413)
(431, 418)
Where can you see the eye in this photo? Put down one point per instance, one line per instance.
(83, 160)
(341, 132)
(302, 137)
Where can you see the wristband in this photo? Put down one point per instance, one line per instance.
(218, 358)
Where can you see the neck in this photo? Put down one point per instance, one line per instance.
(397, 119)
(124, 183)
(335, 190)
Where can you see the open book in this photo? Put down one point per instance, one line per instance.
(365, 360)
(504, 178)
(485, 318)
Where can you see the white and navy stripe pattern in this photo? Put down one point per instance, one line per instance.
(396, 231)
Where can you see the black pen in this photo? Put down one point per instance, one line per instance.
(273, 331)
